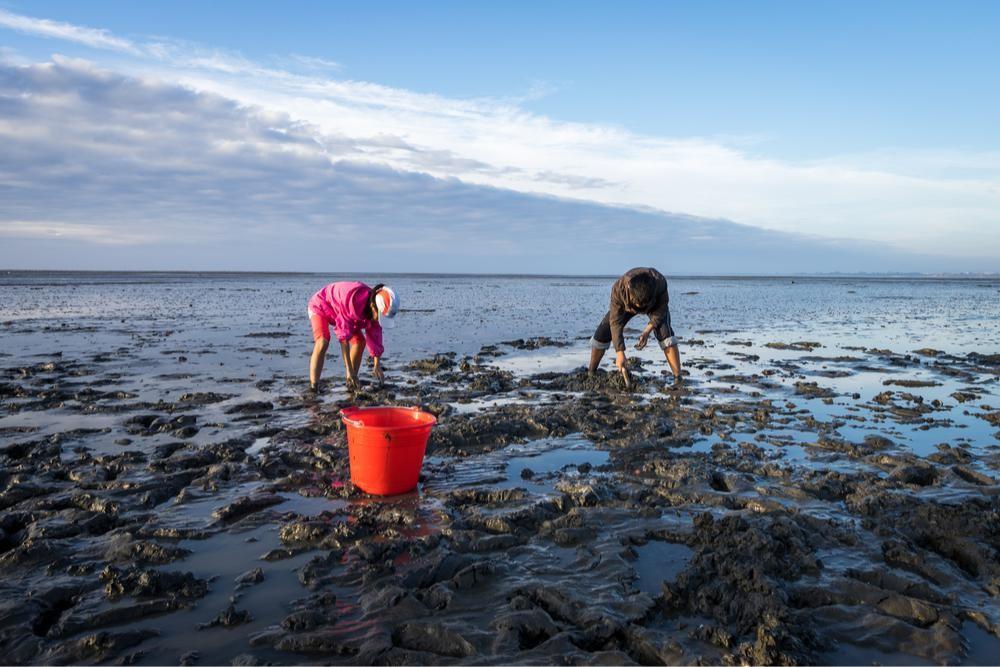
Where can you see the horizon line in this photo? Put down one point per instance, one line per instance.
(213, 272)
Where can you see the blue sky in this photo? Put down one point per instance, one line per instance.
(869, 127)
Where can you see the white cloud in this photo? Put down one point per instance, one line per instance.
(97, 38)
(903, 198)
(313, 62)
(101, 234)
(150, 174)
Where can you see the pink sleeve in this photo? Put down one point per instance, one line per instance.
(374, 338)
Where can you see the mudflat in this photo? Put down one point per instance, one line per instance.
(822, 488)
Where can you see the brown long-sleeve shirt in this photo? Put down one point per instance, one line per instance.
(624, 308)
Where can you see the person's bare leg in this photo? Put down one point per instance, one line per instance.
(596, 354)
(316, 361)
(357, 352)
(345, 353)
(673, 356)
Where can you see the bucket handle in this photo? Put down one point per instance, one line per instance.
(357, 423)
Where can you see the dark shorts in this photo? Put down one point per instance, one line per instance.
(602, 336)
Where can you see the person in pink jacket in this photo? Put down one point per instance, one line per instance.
(357, 314)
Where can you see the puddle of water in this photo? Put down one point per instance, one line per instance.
(984, 648)
(309, 505)
(545, 464)
(546, 458)
(267, 601)
(58, 421)
(658, 562)
(477, 405)
(851, 654)
(545, 360)
(258, 444)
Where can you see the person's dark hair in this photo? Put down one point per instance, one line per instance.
(642, 288)
(371, 300)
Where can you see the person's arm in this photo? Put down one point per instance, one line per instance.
(376, 349)
(618, 318)
(657, 315)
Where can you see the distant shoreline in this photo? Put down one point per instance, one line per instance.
(717, 276)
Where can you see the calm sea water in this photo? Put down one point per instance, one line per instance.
(462, 313)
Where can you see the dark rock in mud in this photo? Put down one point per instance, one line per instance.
(268, 334)
(146, 583)
(534, 343)
(991, 360)
(917, 475)
(522, 629)
(992, 417)
(441, 567)
(435, 364)
(878, 442)
(911, 384)
(973, 476)
(182, 426)
(317, 572)
(227, 618)
(97, 647)
(124, 549)
(92, 613)
(250, 408)
(246, 505)
(436, 638)
(204, 398)
(813, 390)
(306, 533)
(802, 346)
(948, 455)
(250, 577)
(189, 658)
(714, 634)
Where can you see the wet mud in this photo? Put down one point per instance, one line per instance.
(790, 503)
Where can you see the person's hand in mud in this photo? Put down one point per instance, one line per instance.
(378, 372)
(622, 363)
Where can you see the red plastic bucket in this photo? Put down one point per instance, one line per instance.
(386, 447)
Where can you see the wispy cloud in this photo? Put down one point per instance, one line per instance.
(93, 37)
(75, 231)
(313, 62)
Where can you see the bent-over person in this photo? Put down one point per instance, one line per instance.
(640, 291)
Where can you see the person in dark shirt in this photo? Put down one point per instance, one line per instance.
(639, 291)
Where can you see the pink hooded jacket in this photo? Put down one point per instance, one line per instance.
(343, 306)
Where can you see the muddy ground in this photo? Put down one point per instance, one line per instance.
(822, 489)
(762, 513)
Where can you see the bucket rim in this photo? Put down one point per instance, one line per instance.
(346, 413)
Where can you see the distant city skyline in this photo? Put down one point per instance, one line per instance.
(575, 138)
